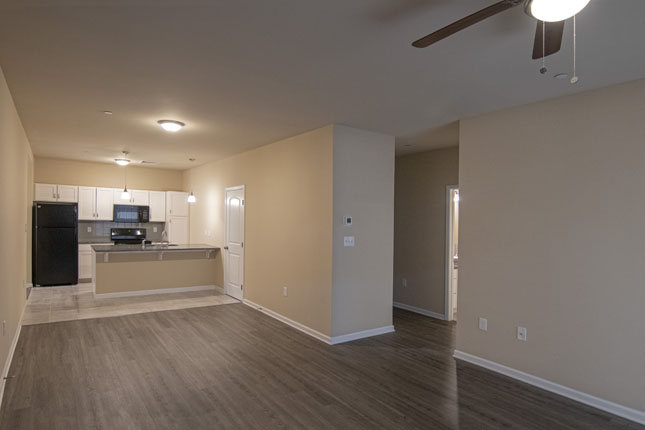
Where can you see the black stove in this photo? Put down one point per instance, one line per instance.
(127, 235)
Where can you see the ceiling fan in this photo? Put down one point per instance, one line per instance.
(550, 14)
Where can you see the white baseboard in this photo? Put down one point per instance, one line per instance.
(161, 291)
(361, 334)
(303, 328)
(12, 350)
(316, 334)
(419, 310)
(587, 399)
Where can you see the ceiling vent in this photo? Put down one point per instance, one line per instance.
(148, 162)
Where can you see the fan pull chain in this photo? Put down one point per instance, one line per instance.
(543, 70)
(574, 79)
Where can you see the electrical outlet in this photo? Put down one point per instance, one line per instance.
(483, 324)
(521, 334)
(89, 229)
(4, 328)
(349, 241)
(404, 282)
(284, 291)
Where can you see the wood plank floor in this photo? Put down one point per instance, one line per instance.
(231, 367)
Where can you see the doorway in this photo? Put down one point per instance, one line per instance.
(234, 246)
(452, 251)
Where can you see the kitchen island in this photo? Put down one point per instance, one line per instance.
(129, 270)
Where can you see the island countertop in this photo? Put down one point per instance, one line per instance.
(153, 248)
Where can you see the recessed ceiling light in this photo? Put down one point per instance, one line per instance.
(561, 76)
(123, 161)
(170, 125)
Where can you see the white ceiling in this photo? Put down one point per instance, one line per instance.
(243, 73)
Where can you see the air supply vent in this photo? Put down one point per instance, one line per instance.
(148, 162)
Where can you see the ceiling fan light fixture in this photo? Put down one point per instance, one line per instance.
(123, 161)
(171, 125)
(555, 10)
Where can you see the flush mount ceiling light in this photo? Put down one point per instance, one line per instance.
(555, 10)
(123, 161)
(171, 125)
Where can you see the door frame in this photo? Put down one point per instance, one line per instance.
(449, 247)
(226, 190)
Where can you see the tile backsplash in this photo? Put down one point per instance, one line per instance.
(101, 230)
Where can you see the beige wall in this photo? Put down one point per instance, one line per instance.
(288, 222)
(364, 189)
(553, 239)
(420, 227)
(72, 172)
(15, 224)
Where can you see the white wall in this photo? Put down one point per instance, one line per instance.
(553, 239)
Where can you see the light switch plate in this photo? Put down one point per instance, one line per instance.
(483, 324)
(89, 229)
(521, 334)
(349, 241)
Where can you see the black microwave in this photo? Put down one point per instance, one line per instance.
(131, 214)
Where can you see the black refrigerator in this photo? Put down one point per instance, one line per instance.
(55, 244)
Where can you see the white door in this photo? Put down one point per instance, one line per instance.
(234, 248)
(86, 203)
(178, 230)
(139, 197)
(67, 193)
(104, 204)
(177, 203)
(157, 206)
(45, 192)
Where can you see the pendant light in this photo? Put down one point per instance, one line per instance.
(192, 198)
(125, 195)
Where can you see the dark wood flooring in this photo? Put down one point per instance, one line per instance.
(231, 367)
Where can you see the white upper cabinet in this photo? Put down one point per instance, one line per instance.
(104, 204)
(87, 203)
(55, 193)
(176, 204)
(95, 204)
(67, 193)
(140, 197)
(178, 230)
(137, 198)
(45, 192)
(157, 206)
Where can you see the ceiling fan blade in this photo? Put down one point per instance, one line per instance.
(465, 22)
(552, 41)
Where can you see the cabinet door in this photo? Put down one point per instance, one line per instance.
(157, 206)
(177, 203)
(86, 203)
(140, 197)
(178, 230)
(85, 265)
(67, 193)
(45, 192)
(104, 204)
